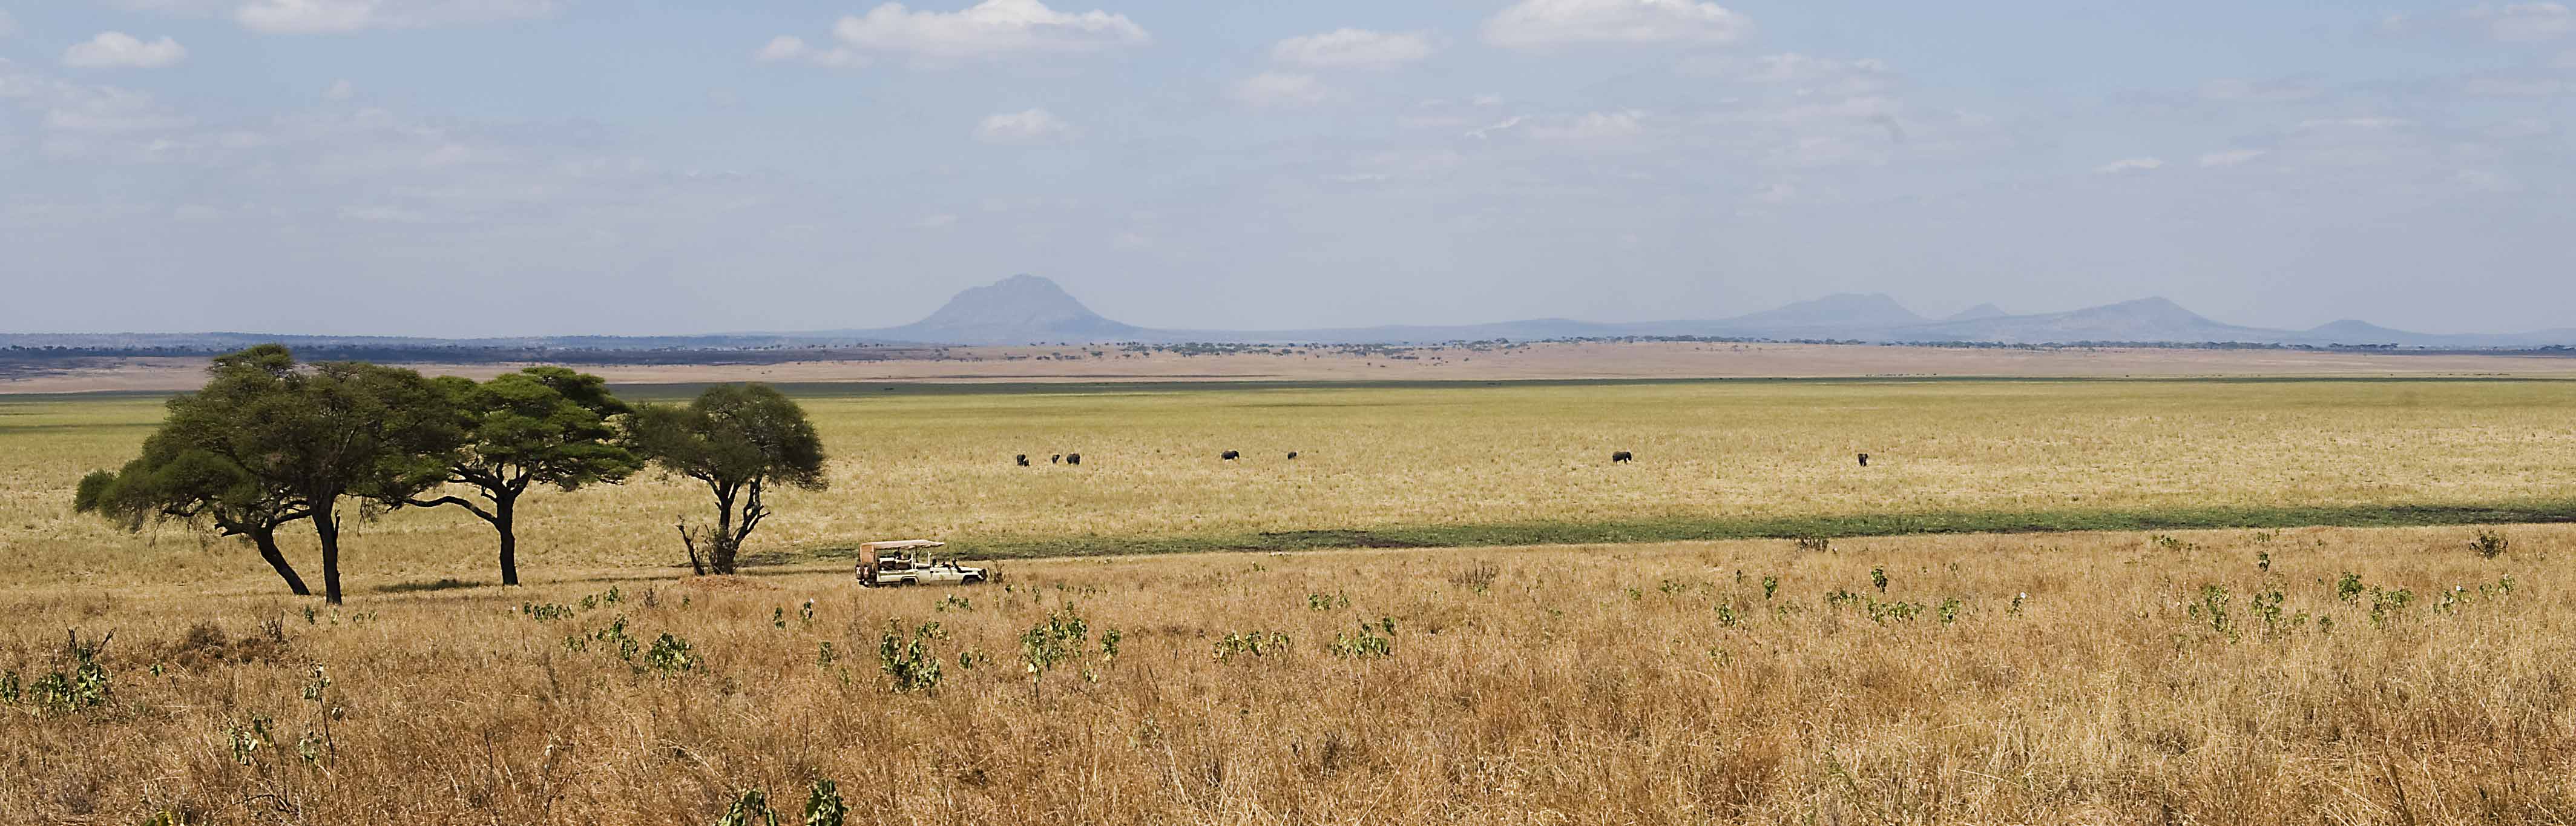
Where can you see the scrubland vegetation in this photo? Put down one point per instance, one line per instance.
(2306, 676)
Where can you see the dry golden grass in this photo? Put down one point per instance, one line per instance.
(940, 466)
(1554, 685)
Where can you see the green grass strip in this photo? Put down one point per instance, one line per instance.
(1722, 528)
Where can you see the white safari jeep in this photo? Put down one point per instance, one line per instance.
(893, 563)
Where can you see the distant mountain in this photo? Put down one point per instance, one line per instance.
(2352, 331)
(2143, 320)
(1978, 313)
(1027, 309)
(1017, 310)
(1841, 311)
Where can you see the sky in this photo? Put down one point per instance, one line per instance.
(525, 167)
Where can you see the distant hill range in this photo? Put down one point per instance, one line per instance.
(1027, 309)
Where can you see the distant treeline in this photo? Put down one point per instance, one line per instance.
(457, 354)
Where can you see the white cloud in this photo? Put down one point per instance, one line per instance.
(383, 214)
(792, 48)
(118, 50)
(1282, 89)
(340, 90)
(2480, 180)
(2526, 22)
(2129, 165)
(1352, 48)
(2230, 157)
(2509, 22)
(1595, 127)
(2512, 85)
(992, 28)
(2239, 90)
(1543, 23)
(1804, 74)
(1035, 126)
(328, 16)
(1500, 126)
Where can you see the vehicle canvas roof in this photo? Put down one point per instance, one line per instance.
(902, 545)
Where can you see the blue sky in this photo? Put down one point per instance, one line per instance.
(493, 167)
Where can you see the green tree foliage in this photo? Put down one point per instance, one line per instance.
(740, 441)
(538, 426)
(268, 441)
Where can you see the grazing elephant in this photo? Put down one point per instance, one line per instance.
(1622, 457)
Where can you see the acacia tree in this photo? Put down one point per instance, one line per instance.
(189, 474)
(268, 441)
(739, 440)
(354, 430)
(541, 425)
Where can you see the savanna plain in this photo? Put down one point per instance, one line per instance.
(2321, 623)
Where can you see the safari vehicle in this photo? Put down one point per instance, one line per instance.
(895, 563)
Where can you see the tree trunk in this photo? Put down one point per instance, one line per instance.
(266, 539)
(720, 548)
(326, 527)
(501, 507)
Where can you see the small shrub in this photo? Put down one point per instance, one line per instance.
(1368, 643)
(1255, 644)
(541, 612)
(1770, 585)
(1056, 641)
(908, 662)
(823, 804)
(2385, 604)
(2212, 609)
(1878, 579)
(86, 686)
(671, 655)
(751, 808)
(1478, 579)
(2489, 544)
(2349, 588)
(1817, 544)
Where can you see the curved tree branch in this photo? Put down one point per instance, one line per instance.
(451, 500)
